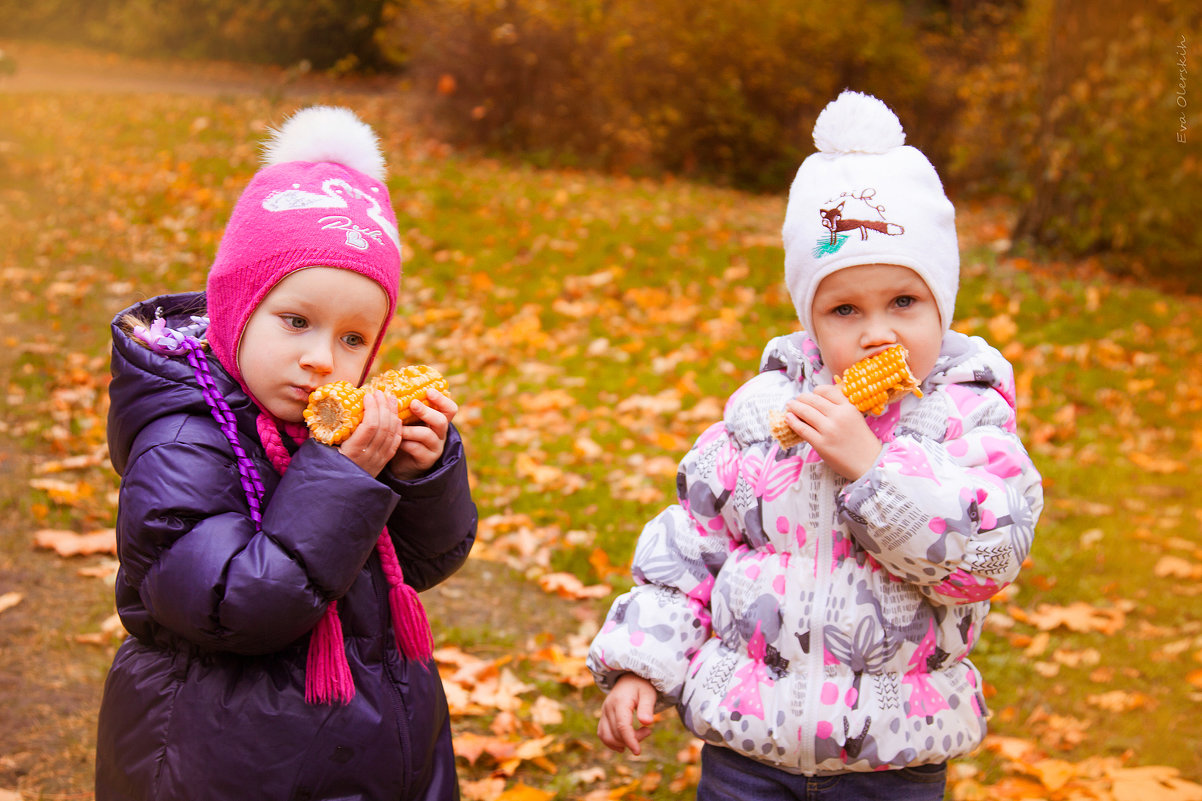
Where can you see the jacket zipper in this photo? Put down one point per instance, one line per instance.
(380, 581)
(815, 662)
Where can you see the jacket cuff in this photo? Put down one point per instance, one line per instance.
(434, 512)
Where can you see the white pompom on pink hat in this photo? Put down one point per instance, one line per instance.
(318, 200)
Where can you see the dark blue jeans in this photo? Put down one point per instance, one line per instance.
(727, 776)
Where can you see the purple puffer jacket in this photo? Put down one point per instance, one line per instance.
(206, 699)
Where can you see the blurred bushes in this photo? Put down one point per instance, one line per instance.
(720, 90)
(1085, 112)
(325, 33)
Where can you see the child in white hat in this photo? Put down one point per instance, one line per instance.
(809, 607)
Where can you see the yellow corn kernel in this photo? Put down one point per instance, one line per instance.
(336, 409)
(872, 384)
(786, 436)
(409, 384)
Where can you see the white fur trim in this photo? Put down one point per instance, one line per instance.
(327, 133)
(857, 123)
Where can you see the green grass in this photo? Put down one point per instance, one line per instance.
(646, 303)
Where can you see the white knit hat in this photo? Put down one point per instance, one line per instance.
(867, 198)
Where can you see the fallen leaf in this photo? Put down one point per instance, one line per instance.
(1053, 773)
(10, 599)
(110, 629)
(1078, 616)
(68, 543)
(546, 712)
(67, 492)
(488, 789)
(1157, 782)
(472, 746)
(523, 792)
(1176, 567)
(1157, 464)
(567, 585)
(1119, 701)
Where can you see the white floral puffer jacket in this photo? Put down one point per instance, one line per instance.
(820, 625)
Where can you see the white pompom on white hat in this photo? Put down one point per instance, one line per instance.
(867, 198)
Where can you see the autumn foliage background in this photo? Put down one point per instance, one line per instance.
(590, 195)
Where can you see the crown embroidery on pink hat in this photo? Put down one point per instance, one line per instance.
(334, 194)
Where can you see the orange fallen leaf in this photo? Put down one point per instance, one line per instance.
(68, 543)
(1078, 616)
(1157, 782)
(471, 746)
(1157, 464)
(68, 492)
(1053, 773)
(1194, 677)
(488, 789)
(523, 792)
(1119, 700)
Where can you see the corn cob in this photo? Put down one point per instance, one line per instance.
(336, 409)
(870, 384)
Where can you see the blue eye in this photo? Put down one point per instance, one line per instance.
(845, 310)
(906, 301)
(294, 321)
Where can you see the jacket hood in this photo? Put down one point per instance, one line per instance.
(147, 385)
(962, 360)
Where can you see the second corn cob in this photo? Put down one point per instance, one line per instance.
(336, 409)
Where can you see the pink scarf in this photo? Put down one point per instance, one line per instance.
(327, 674)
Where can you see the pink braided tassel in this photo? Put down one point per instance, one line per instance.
(327, 674)
(414, 639)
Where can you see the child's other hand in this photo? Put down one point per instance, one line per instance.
(375, 441)
(630, 696)
(836, 429)
(425, 437)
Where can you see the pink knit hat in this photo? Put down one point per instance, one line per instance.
(319, 200)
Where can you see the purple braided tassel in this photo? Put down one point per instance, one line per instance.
(161, 339)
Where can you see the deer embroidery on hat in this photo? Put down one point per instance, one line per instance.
(833, 221)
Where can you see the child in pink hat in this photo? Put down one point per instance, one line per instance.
(270, 582)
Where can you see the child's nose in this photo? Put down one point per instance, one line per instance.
(319, 358)
(876, 334)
